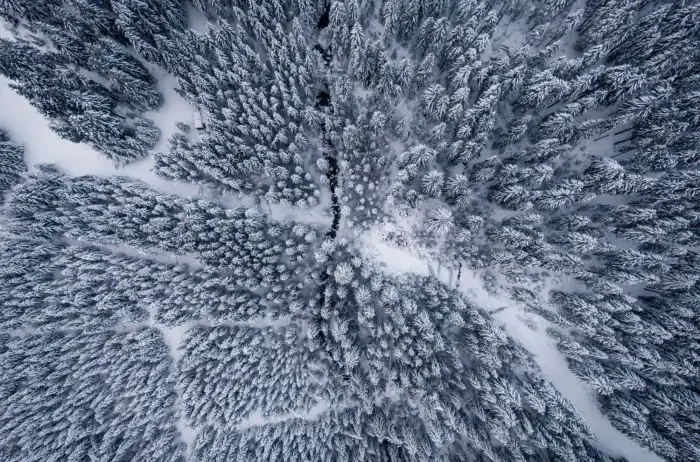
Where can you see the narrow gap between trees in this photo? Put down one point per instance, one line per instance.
(323, 101)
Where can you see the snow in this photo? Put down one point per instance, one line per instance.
(95, 77)
(175, 108)
(603, 145)
(397, 147)
(5, 31)
(162, 257)
(27, 126)
(187, 433)
(316, 215)
(196, 19)
(362, 93)
(412, 258)
(173, 336)
(11, 32)
(507, 36)
(256, 418)
(396, 260)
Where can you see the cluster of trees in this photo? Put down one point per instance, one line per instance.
(638, 345)
(117, 210)
(80, 108)
(12, 164)
(87, 396)
(255, 77)
(362, 165)
(468, 113)
(387, 432)
(490, 136)
(73, 61)
(433, 376)
(93, 289)
(231, 373)
(77, 335)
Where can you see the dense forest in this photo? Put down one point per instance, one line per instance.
(543, 154)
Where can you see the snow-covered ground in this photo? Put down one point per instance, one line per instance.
(175, 109)
(172, 336)
(28, 127)
(509, 313)
(554, 367)
(196, 20)
(256, 419)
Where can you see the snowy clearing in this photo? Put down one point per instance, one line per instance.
(28, 127)
(196, 20)
(175, 109)
(554, 367)
(173, 336)
(256, 419)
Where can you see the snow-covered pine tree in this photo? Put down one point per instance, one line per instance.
(12, 164)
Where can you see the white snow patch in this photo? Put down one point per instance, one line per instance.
(161, 257)
(403, 110)
(414, 259)
(362, 93)
(24, 331)
(196, 19)
(395, 259)
(12, 32)
(27, 126)
(398, 147)
(94, 76)
(42, 145)
(187, 433)
(5, 30)
(175, 108)
(256, 418)
(314, 216)
(375, 29)
(507, 36)
(173, 336)
(602, 145)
